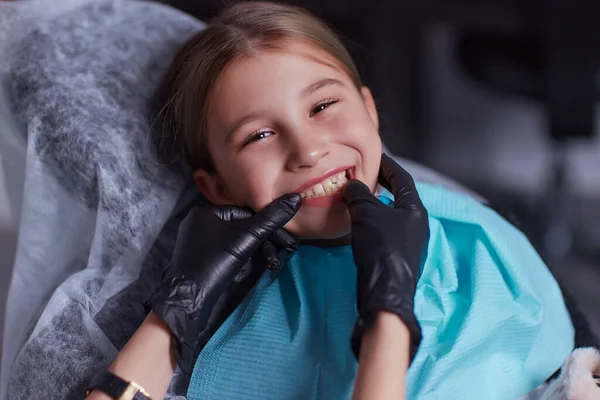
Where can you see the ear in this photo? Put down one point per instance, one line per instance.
(370, 104)
(212, 187)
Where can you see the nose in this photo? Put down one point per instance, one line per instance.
(307, 149)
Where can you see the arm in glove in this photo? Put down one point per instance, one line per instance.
(213, 245)
(389, 246)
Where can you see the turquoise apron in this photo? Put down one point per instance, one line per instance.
(494, 322)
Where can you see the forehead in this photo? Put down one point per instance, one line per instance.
(293, 62)
(262, 79)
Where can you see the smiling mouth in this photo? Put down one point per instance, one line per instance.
(328, 186)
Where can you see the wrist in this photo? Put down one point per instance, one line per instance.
(385, 321)
(155, 331)
(404, 325)
(384, 359)
(156, 322)
(387, 326)
(388, 331)
(147, 359)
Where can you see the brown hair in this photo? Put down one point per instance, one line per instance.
(240, 31)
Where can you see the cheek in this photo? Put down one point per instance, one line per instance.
(372, 161)
(355, 125)
(251, 183)
(361, 134)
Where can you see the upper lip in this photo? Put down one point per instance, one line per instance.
(312, 182)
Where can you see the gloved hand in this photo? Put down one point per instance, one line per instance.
(213, 245)
(389, 246)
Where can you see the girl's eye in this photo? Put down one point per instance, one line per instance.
(258, 136)
(322, 105)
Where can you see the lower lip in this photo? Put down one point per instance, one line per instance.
(324, 201)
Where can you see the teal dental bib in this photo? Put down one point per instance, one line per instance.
(494, 322)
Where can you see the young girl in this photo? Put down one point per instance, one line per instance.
(268, 109)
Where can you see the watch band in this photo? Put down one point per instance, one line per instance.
(117, 388)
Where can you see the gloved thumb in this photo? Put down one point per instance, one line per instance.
(357, 192)
(402, 185)
(274, 216)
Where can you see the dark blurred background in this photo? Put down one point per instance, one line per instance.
(498, 94)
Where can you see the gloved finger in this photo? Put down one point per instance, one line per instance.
(201, 214)
(269, 253)
(356, 191)
(399, 182)
(274, 216)
(284, 240)
(231, 213)
(188, 224)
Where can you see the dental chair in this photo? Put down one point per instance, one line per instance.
(98, 212)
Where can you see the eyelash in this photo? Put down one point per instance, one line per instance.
(323, 105)
(258, 135)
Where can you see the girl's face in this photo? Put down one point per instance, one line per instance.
(291, 122)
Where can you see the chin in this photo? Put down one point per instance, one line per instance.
(307, 225)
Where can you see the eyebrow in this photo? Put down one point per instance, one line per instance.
(239, 124)
(321, 83)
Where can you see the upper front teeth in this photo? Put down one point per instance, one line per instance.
(329, 185)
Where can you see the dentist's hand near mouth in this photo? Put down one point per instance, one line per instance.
(214, 243)
(389, 246)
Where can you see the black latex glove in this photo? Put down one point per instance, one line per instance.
(213, 245)
(389, 246)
